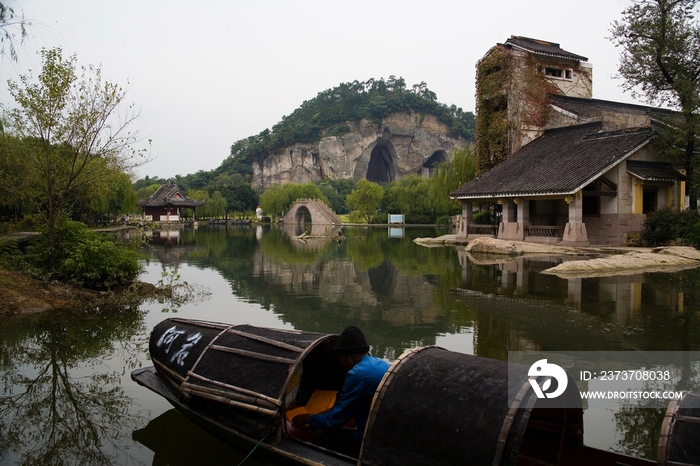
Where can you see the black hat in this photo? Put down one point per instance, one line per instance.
(351, 341)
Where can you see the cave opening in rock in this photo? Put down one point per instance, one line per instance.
(381, 162)
(429, 166)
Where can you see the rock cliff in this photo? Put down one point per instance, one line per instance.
(403, 144)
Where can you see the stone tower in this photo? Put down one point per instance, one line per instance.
(514, 82)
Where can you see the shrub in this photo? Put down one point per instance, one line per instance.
(11, 257)
(339, 130)
(86, 258)
(666, 225)
(483, 217)
(443, 220)
(355, 217)
(419, 219)
(689, 227)
(99, 263)
(381, 217)
(660, 227)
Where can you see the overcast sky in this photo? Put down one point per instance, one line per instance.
(206, 74)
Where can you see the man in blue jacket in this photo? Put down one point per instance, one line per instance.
(354, 400)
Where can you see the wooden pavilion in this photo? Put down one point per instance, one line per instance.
(164, 205)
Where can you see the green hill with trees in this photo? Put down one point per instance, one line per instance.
(326, 114)
(330, 110)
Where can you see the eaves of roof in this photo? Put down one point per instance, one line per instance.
(653, 171)
(540, 47)
(588, 107)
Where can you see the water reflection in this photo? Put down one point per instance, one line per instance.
(59, 404)
(176, 441)
(408, 295)
(401, 294)
(643, 311)
(170, 246)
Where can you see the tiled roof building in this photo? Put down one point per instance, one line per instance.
(561, 162)
(164, 205)
(587, 175)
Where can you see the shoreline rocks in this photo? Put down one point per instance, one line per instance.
(606, 261)
(664, 259)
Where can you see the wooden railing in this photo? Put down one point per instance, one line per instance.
(544, 231)
(484, 230)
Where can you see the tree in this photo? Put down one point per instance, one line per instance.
(11, 171)
(10, 25)
(145, 191)
(122, 198)
(113, 197)
(203, 211)
(410, 197)
(449, 176)
(365, 199)
(236, 190)
(660, 61)
(53, 411)
(76, 133)
(217, 205)
(337, 192)
(274, 201)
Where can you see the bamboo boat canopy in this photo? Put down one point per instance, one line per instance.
(249, 368)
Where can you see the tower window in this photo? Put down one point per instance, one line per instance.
(558, 72)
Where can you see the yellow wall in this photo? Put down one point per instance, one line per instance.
(638, 196)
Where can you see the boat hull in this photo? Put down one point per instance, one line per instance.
(434, 407)
(287, 451)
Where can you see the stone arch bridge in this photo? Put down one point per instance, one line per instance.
(320, 213)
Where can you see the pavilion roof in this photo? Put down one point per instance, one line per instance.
(168, 195)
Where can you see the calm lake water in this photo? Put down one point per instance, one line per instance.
(67, 398)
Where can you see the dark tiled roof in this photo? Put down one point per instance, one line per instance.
(542, 47)
(653, 171)
(560, 162)
(168, 195)
(591, 108)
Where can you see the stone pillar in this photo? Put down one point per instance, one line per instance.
(466, 272)
(467, 211)
(523, 214)
(522, 281)
(510, 274)
(510, 212)
(574, 292)
(510, 229)
(575, 230)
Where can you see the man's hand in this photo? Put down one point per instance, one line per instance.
(301, 420)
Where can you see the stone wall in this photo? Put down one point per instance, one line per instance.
(521, 107)
(613, 121)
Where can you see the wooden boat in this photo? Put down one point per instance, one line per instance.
(433, 407)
